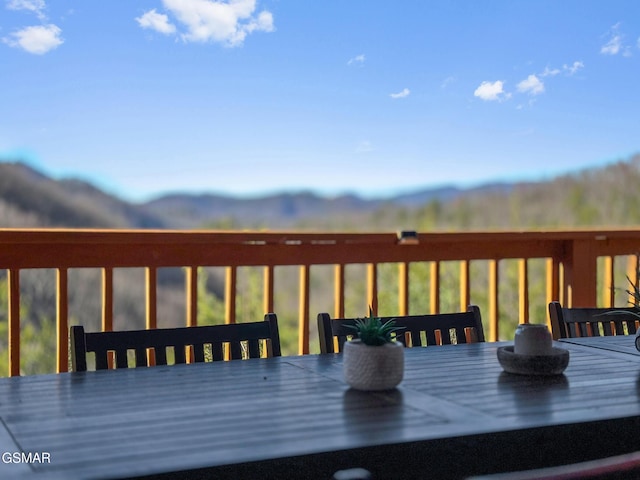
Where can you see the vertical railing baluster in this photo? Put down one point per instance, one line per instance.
(191, 295)
(62, 320)
(523, 290)
(434, 282)
(107, 306)
(633, 273)
(268, 289)
(151, 297)
(230, 294)
(465, 294)
(403, 288)
(372, 288)
(552, 280)
(338, 290)
(303, 312)
(151, 300)
(552, 284)
(13, 284)
(494, 306)
(608, 282)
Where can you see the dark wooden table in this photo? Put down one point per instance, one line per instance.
(616, 343)
(455, 414)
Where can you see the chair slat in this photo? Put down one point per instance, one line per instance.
(414, 325)
(198, 352)
(416, 341)
(217, 351)
(122, 359)
(179, 339)
(161, 355)
(236, 350)
(583, 322)
(179, 354)
(254, 348)
(141, 357)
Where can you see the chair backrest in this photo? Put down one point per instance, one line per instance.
(438, 329)
(591, 322)
(236, 337)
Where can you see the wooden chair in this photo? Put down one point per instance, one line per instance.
(438, 329)
(590, 322)
(157, 340)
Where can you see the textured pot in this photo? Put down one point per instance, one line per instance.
(373, 368)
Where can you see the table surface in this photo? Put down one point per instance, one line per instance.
(453, 411)
(616, 343)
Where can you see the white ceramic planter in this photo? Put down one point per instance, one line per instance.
(373, 368)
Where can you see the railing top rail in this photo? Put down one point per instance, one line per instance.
(77, 248)
(84, 235)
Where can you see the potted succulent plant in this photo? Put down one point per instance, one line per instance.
(373, 360)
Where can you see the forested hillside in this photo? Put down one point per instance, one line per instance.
(592, 197)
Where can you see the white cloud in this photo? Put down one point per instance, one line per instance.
(35, 6)
(615, 45)
(567, 69)
(404, 93)
(573, 68)
(156, 21)
(37, 40)
(531, 85)
(550, 72)
(357, 60)
(227, 22)
(491, 91)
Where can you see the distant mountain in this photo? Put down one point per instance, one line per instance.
(187, 211)
(596, 196)
(29, 198)
(445, 194)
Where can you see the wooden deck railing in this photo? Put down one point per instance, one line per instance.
(576, 263)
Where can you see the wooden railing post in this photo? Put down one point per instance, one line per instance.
(581, 273)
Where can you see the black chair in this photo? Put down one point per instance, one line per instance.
(591, 322)
(438, 329)
(238, 337)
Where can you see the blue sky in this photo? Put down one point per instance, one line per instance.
(247, 97)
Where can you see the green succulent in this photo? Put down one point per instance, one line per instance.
(634, 302)
(371, 331)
